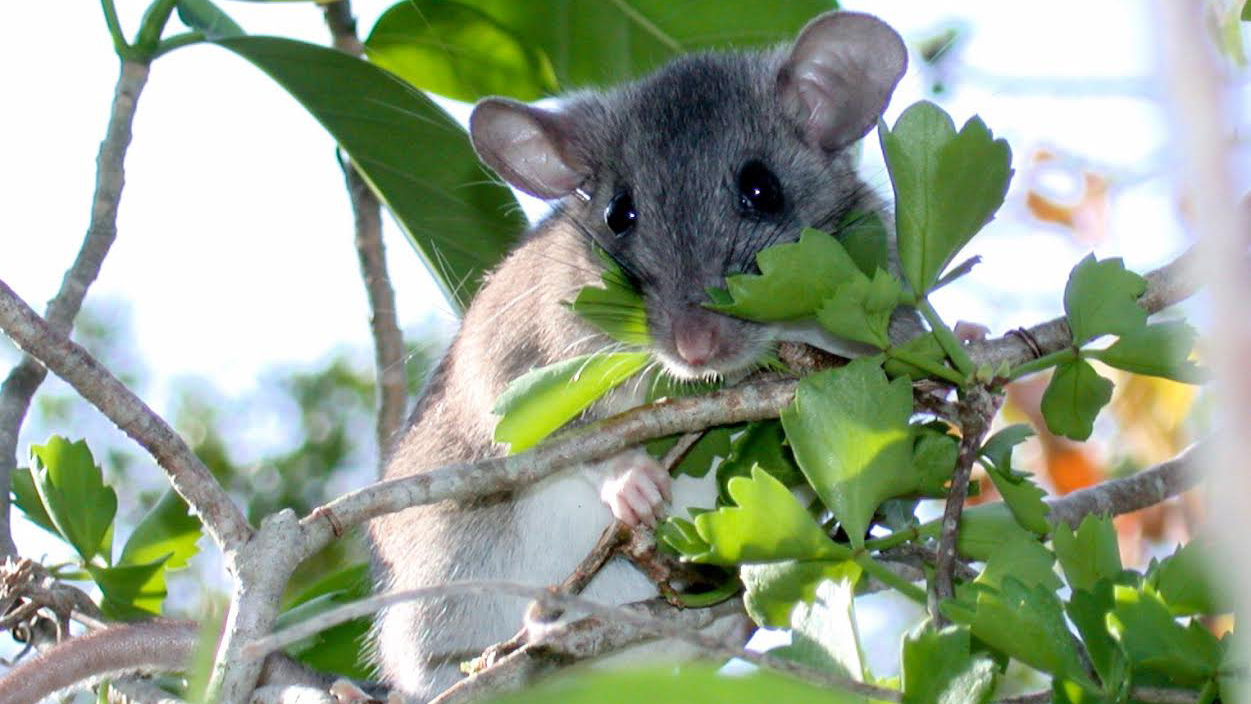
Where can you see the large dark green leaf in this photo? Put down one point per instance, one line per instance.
(601, 42)
(457, 51)
(415, 157)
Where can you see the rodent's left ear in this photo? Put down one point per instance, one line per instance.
(528, 146)
(840, 75)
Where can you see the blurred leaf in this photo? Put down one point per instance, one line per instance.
(415, 157)
(702, 600)
(939, 668)
(1025, 623)
(691, 684)
(1160, 350)
(848, 428)
(131, 591)
(948, 185)
(998, 447)
(864, 237)
(766, 524)
(823, 630)
(72, 490)
(773, 589)
(1023, 497)
(208, 18)
(340, 649)
(1246, 11)
(1146, 628)
(457, 51)
(1186, 582)
(539, 402)
(167, 531)
(1101, 298)
(1090, 554)
(26, 497)
(1073, 399)
(795, 280)
(700, 458)
(633, 37)
(615, 307)
(860, 309)
(681, 535)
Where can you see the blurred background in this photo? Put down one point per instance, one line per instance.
(232, 301)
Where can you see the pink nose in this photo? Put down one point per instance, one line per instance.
(696, 338)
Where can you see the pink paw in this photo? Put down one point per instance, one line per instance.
(638, 489)
(967, 332)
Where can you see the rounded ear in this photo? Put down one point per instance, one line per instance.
(839, 76)
(527, 146)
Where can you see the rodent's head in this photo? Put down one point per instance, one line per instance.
(685, 175)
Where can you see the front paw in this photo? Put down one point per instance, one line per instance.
(637, 489)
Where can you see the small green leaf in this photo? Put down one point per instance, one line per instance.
(1153, 639)
(984, 529)
(681, 535)
(926, 347)
(26, 497)
(1088, 555)
(773, 589)
(939, 668)
(458, 51)
(795, 279)
(848, 428)
(1023, 497)
(168, 530)
(539, 402)
(702, 600)
(760, 444)
(615, 306)
(1185, 581)
(998, 448)
(208, 18)
(1021, 557)
(1155, 350)
(1088, 610)
(823, 630)
(71, 488)
(1025, 623)
(1101, 298)
(934, 455)
(865, 238)
(1073, 399)
(131, 591)
(948, 185)
(860, 309)
(701, 457)
(1245, 15)
(766, 524)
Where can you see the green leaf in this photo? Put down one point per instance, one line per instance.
(760, 444)
(700, 458)
(1025, 623)
(795, 280)
(1155, 350)
(1021, 557)
(934, 455)
(984, 529)
(924, 346)
(681, 535)
(1073, 399)
(168, 530)
(773, 589)
(864, 237)
(1245, 15)
(848, 428)
(72, 490)
(998, 447)
(1153, 639)
(766, 524)
(939, 668)
(539, 402)
(823, 630)
(26, 497)
(1023, 497)
(208, 18)
(1101, 298)
(1090, 554)
(1185, 581)
(415, 157)
(133, 591)
(860, 309)
(633, 37)
(1088, 610)
(340, 649)
(691, 684)
(615, 306)
(457, 51)
(948, 185)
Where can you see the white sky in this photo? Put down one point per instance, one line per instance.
(235, 236)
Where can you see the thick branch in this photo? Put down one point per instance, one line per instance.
(1117, 496)
(19, 387)
(190, 478)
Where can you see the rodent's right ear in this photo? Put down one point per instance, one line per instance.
(527, 146)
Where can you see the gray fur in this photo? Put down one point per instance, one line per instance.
(676, 140)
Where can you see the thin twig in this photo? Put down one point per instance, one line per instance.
(1137, 491)
(190, 478)
(655, 626)
(20, 385)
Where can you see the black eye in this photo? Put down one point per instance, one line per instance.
(620, 214)
(758, 189)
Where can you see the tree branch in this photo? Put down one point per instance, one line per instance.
(24, 379)
(388, 339)
(190, 478)
(1137, 491)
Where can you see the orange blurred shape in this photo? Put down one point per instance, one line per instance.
(1085, 213)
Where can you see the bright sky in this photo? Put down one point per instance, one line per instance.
(235, 236)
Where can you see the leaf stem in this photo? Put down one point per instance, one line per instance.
(153, 25)
(177, 41)
(1068, 354)
(120, 45)
(956, 272)
(925, 365)
(884, 575)
(899, 537)
(946, 338)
